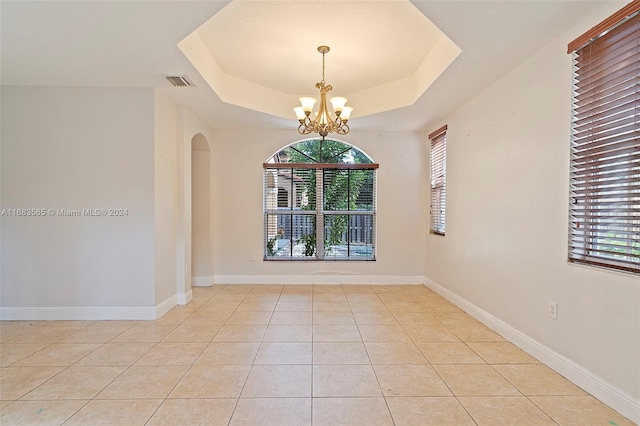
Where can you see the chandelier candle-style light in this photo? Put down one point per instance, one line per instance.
(323, 123)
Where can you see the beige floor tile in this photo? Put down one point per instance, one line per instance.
(456, 318)
(449, 353)
(17, 381)
(202, 381)
(257, 306)
(39, 412)
(115, 355)
(272, 412)
(354, 289)
(228, 297)
(173, 317)
(394, 353)
(172, 354)
(214, 306)
(344, 381)
(279, 381)
(143, 382)
(192, 334)
(303, 306)
(333, 318)
(472, 380)
(116, 412)
(296, 297)
(207, 318)
(288, 333)
(329, 297)
(440, 306)
(291, 317)
(249, 318)
(235, 353)
(58, 354)
(579, 410)
(4, 404)
(363, 297)
(13, 352)
(374, 318)
(240, 333)
(327, 288)
(336, 333)
(340, 353)
(430, 333)
(422, 411)
(501, 353)
(415, 318)
(537, 379)
(96, 333)
(383, 333)
(193, 412)
(75, 383)
(351, 412)
(410, 380)
(331, 306)
(368, 306)
(404, 306)
(478, 333)
(43, 334)
(145, 333)
(504, 410)
(284, 353)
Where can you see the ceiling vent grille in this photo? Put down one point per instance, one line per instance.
(180, 80)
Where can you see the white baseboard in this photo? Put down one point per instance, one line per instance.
(78, 313)
(317, 279)
(202, 281)
(90, 313)
(590, 382)
(184, 298)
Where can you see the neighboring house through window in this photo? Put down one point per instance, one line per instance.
(604, 223)
(438, 179)
(319, 203)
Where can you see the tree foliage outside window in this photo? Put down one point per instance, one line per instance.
(331, 209)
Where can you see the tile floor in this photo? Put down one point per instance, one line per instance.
(285, 355)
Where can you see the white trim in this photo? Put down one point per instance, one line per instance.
(184, 298)
(88, 313)
(317, 279)
(78, 313)
(202, 281)
(590, 382)
(166, 305)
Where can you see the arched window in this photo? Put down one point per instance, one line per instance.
(331, 202)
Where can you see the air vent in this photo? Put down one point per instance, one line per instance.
(180, 80)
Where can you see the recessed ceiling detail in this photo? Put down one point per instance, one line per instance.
(263, 55)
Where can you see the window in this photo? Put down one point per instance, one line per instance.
(604, 226)
(319, 203)
(438, 179)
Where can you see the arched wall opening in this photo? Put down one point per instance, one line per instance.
(201, 264)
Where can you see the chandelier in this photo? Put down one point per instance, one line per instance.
(323, 123)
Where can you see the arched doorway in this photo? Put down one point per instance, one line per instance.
(201, 263)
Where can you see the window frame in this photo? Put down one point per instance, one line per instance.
(604, 193)
(438, 180)
(319, 211)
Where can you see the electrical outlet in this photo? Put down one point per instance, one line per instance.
(252, 257)
(553, 310)
(407, 257)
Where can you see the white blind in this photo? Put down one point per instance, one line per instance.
(438, 179)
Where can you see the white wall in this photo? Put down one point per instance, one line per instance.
(201, 214)
(76, 148)
(238, 221)
(505, 248)
(165, 196)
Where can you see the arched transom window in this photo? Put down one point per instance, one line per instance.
(319, 202)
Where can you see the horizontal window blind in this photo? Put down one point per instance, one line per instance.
(605, 149)
(438, 180)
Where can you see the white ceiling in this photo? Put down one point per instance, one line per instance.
(134, 43)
